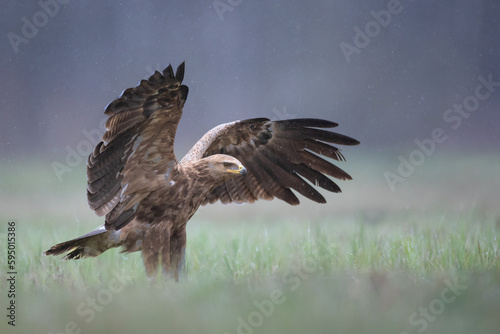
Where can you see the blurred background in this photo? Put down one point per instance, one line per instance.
(389, 72)
(416, 82)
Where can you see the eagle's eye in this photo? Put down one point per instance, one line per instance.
(226, 164)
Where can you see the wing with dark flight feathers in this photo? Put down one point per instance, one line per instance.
(137, 145)
(279, 156)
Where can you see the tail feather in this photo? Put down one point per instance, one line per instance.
(88, 245)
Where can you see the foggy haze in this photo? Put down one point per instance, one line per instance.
(386, 71)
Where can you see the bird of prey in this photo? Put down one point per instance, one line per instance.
(147, 196)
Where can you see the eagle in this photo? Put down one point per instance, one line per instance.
(147, 196)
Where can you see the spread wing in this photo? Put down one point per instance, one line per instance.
(137, 147)
(279, 156)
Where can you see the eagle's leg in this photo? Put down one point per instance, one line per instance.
(177, 253)
(156, 248)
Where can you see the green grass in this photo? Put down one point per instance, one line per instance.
(349, 267)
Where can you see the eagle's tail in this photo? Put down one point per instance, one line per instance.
(88, 245)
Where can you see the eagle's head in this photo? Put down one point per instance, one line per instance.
(223, 167)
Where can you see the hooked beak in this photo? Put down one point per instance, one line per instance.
(242, 171)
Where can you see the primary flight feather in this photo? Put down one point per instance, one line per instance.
(147, 196)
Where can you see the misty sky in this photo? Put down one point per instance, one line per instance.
(389, 72)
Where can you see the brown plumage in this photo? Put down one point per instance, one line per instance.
(147, 196)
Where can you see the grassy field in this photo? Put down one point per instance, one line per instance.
(422, 259)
